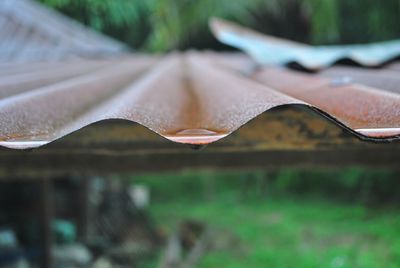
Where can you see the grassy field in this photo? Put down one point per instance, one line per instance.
(270, 231)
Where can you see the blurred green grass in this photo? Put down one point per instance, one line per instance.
(276, 230)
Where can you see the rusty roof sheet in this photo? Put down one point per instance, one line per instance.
(193, 98)
(30, 31)
(272, 50)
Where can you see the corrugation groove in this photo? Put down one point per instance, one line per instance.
(194, 98)
(41, 114)
(357, 106)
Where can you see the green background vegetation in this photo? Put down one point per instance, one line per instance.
(163, 25)
(293, 220)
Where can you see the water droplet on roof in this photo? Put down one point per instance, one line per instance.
(196, 136)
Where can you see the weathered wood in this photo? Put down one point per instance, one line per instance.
(285, 137)
(95, 163)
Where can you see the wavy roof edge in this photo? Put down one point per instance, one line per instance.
(192, 98)
(202, 137)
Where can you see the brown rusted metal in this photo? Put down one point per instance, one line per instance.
(367, 111)
(193, 98)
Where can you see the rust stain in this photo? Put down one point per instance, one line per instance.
(195, 98)
(354, 105)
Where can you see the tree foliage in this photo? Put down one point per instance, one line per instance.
(161, 25)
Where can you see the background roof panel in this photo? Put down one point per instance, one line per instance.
(272, 50)
(30, 31)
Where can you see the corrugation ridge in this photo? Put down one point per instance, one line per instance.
(185, 94)
(383, 107)
(239, 98)
(164, 110)
(20, 83)
(162, 97)
(129, 103)
(49, 108)
(356, 106)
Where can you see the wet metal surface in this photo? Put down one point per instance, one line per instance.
(269, 50)
(354, 105)
(192, 98)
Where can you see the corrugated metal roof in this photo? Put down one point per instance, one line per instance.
(272, 50)
(193, 98)
(30, 31)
